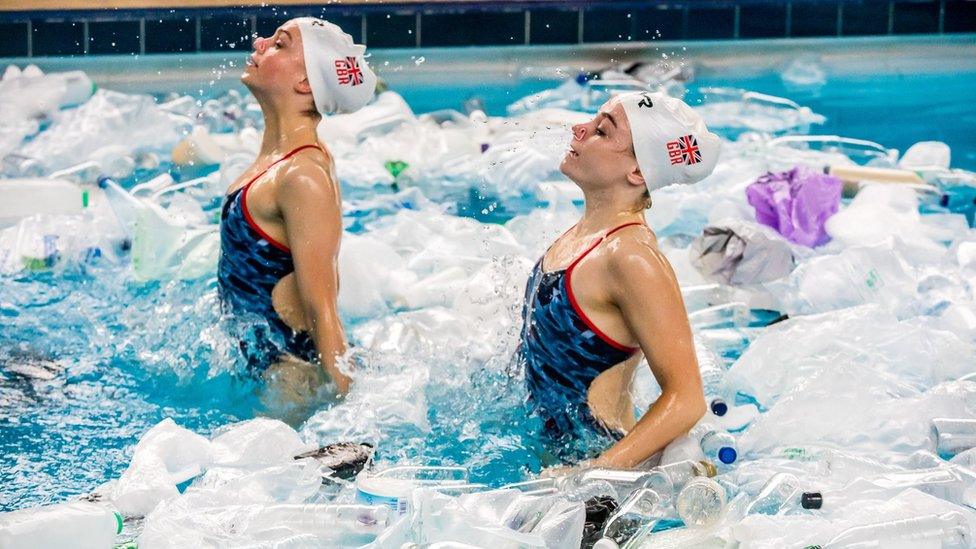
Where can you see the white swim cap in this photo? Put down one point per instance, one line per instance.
(671, 141)
(340, 79)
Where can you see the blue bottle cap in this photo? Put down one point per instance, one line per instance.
(719, 407)
(727, 455)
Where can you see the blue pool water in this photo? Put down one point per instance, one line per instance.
(91, 358)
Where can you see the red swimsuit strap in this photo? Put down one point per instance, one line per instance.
(247, 214)
(579, 309)
(290, 154)
(598, 241)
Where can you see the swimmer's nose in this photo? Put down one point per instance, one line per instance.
(258, 44)
(579, 131)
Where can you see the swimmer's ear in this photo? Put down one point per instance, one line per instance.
(635, 177)
(303, 87)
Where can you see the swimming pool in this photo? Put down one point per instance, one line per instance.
(93, 357)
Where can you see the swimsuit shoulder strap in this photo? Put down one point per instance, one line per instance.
(290, 154)
(600, 240)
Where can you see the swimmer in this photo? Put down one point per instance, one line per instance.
(280, 224)
(603, 294)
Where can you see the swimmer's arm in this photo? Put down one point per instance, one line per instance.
(310, 205)
(646, 291)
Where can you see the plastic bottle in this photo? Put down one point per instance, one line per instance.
(27, 197)
(704, 441)
(779, 494)
(75, 525)
(736, 419)
(125, 206)
(78, 88)
(644, 507)
(954, 435)
(392, 487)
(348, 523)
(701, 502)
(717, 393)
(949, 531)
(719, 447)
(665, 480)
(836, 464)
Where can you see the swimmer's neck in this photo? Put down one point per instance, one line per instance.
(606, 209)
(285, 130)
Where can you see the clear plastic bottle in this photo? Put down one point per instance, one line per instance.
(641, 510)
(954, 435)
(704, 441)
(701, 502)
(719, 447)
(74, 525)
(346, 523)
(664, 480)
(392, 487)
(779, 494)
(949, 531)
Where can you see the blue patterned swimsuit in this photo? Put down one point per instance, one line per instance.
(251, 264)
(563, 351)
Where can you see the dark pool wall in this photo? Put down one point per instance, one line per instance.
(389, 25)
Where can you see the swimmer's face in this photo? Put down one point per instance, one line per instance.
(277, 65)
(601, 152)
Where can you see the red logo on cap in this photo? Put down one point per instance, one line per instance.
(348, 71)
(684, 150)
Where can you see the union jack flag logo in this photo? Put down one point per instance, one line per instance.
(684, 150)
(348, 71)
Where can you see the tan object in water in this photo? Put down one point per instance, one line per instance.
(198, 148)
(855, 176)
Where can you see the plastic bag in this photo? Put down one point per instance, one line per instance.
(738, 252)
(796, 203)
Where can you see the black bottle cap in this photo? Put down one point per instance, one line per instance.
(811, 500)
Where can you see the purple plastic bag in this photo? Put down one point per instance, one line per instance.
(796, 203)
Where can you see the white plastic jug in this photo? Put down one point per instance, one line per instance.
(20, 198)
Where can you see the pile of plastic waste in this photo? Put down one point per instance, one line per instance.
(830, 282)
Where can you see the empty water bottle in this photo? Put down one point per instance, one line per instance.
(664, 480)
(719, 447)
(643, 508)
(349, 524)
(701, 502)
(948, 531)
(75, 525)
(954, 435)
(780, 494)
(704, 441)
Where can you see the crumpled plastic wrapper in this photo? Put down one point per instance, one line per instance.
(737, 252)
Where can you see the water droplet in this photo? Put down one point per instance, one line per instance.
(419, 60)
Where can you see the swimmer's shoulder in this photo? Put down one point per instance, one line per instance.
(307, 175)
(633, 258)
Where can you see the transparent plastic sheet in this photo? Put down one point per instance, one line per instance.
(738, 109)
(866, 337)
(131, 122)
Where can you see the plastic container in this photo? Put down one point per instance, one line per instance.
(954, 435)
(392, 487)
(75, 525)
(701, 502)
(642, 508)
(26, 197)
